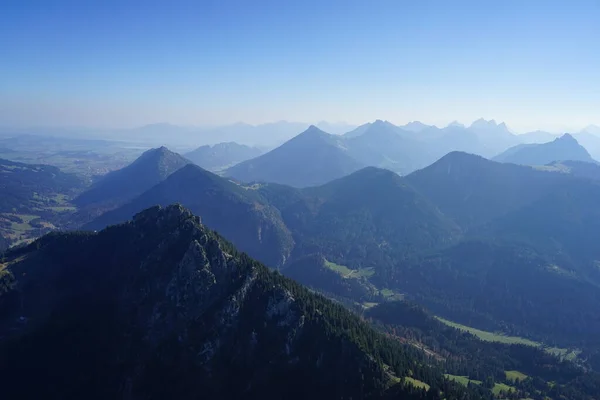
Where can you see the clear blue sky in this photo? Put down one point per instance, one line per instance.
(533, 64)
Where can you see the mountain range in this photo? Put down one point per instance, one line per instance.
(384, 145)
(477, 242)
(162, 307)
(392, 235)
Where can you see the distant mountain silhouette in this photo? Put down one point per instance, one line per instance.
(358, 130)
(385, 145)
(493, 137)
(593, 129)
(222, 155)
(311, 158)
(564, 148)
(120, 186)
(336, 128)
(456, 124)
(537, 137)
(591, 142)
(415, 126)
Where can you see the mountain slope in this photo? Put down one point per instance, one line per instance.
(119, 186)
(370, 220)
(311, 158)
(564, 148)
(473, 190)
(240, 213)
(222, 155)
(562, 225)
(161, 307)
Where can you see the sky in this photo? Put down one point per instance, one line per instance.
(530, 63)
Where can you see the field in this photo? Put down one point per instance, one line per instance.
(501, 387)
(564, 354)
(463, 380)
(491, 336)
(514, 375)
(391, 295)
(416, 383)
(350, 273)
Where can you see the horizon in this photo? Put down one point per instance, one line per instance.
(114, 65)
(590, 128)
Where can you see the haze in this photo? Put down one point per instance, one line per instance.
(125, 64)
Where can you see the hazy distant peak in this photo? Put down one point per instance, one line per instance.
(566, 138)
(156, 152)
(482, 123)
(380, 122)
(415, 126)
(593, 129)
(313, 130)
(455, 124)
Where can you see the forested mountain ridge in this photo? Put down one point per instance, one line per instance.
(240, 213)
(118, 187)
(473, 190)
(161, 307)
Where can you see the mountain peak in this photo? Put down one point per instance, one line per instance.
(455, 124)
(563, 148)
(566, 138)
(380, 122)
(147, 170)
(155, 152)
(313, 130)
(593, 129)
(483, 123)
(171, 215)
(415, 126)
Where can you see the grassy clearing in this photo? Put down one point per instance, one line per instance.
(391, 295)
(21, 226)
(369, 304)
(463, 380)
(60, 209)
(350, 273)
(491, 336)
(563, 354)
(514, 375)
(501, 387)
(416, 383)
